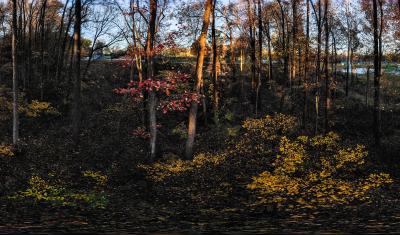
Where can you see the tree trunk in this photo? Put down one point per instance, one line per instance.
(294, 40)
(251, 16)
(214, 67)
(232, 57)
(307, 58)
(29, 49)
(135, 46)
(270, 74)
(60, 62)
(152, 99)
(318, 67)
(327, 85)
(60, 31)
(199, 80)
(76, 106)
(367, 87)
(42, 48)
(260, 68)
(284, 46)
(14, 45)
(377, 62)
(348, 67)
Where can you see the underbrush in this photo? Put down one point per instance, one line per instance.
(55, 191)
(269, 163)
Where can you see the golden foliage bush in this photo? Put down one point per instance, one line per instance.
(317, 171)
(56, 191)
(33, 109)
(38, 108)
(6, 150)
(174, 166)
(289, 169)
(260, 134)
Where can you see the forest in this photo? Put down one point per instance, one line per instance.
(199, 116)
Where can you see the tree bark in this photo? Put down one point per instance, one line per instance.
(152, 99)
(214, 67)
(42, 48)
(251, 15)
(60, 62)
(306, 62)
(270, 74)
(14, 45)
(327, 82)
(260, 68)
(348, 67)
(60, 31)
(76, 106)
(294, 40)
(284, 46)
(377, 74)
(199, 80)
(135, 47)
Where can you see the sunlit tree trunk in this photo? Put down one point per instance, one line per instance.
(135, 46)
(232, 52)
(214, 67)
(199, 80)
(294, 40)
(306, 63)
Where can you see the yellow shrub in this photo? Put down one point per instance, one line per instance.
(6, 150)
(306, 173)
(290, 157)
(37, 108)
(270, 127)
(55, 191)
(171, 167)
(96, 176)
(259, 134)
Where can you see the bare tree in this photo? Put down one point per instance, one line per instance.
(103, 18)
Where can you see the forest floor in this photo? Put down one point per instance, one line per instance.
(51, 185)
